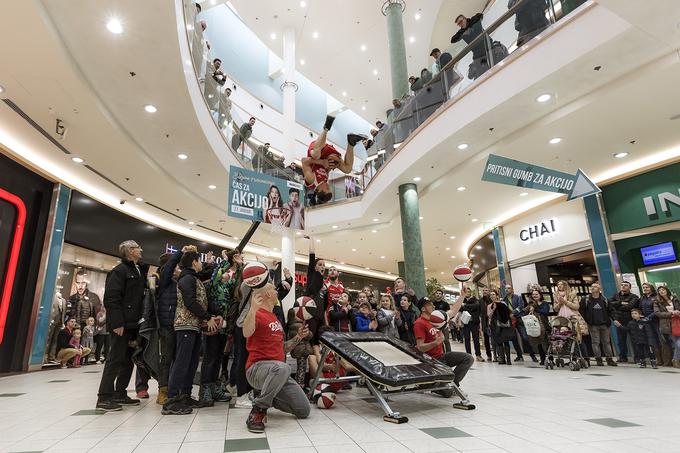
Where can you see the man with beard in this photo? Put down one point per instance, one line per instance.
(84, 304)
(334, 289)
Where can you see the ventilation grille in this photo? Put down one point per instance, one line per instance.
(35, 125)
(215, 231)
(108, 179)
(165, 211)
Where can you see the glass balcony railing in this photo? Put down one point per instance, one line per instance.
(474, 49)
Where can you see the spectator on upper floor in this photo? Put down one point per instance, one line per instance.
(530, 19)
(440, 59)
(470, 29)
(225, 108)
(244, 133)
(216, 72)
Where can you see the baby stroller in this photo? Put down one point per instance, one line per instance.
(563, 348)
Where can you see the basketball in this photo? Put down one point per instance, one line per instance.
(462, 273)
(439, 318)
(255, 274)
(324, 397)
(304, 308)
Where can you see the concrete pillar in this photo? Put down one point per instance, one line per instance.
(414, 265)
(401, 268)
(289, 88)
(393, 10)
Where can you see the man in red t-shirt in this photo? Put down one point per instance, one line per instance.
(334, 290)
(266, 369)
(429, 340)
(322, 158)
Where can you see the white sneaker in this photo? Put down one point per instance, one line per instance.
(244, 401)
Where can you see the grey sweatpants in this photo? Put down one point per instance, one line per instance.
(277, 388)
(601, 334)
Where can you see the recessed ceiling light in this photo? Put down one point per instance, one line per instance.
(302, 62)
(478, 247)
(315, 35)
(473, 220)
(363, 47)
(417, 16)
(139, 199)
(374, 231)
(417, 179)
(452, 237)
(235, 238)
(442, 272)
(421, 217)
(426, 268)
(77, 160)
(212, 187)
(335, 227)
(463, 146)
(620, 155)
(544, 98)
(453, 257)
(524, 194)
(382, 257)
(367, 268)
(472, 255)
(192, 223)
(273, 36)
(448, 248)
(114, 26)
(461, 188)
(318, 240)
(2, 89)
(555, 141)
(363, 107)
(303, 4)
(354, 250)
(376, 220)
(150, 108)
(412, 39)
(375, 72)
(344, 93)
(182, 156)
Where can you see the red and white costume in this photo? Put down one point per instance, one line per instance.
(334, 291)
(320, 173)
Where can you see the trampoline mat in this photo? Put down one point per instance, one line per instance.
(385, 360)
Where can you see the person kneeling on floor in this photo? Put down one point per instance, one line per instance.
(266, 369)
(429, 340)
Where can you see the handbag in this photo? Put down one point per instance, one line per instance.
(675, 326)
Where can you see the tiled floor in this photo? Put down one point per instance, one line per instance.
(625, 410)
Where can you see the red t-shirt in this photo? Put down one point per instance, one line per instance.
(334, 290)
(423, 329)
(266, 343)
(320, 173)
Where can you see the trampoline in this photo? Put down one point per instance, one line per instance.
(388, 366)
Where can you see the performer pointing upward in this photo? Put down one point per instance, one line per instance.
(322, 158)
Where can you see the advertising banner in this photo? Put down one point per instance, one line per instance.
(264, 198)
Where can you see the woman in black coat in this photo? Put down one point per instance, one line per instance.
(473, 307)
(500, 327)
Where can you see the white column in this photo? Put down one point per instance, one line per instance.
(289, 87)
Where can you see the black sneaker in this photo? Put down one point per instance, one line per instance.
(108, 406)
(519, 359)
(329, 122)
(610, 362)
(192, 403)
(176, 406)
(126, 401)
(599, 362)
(256, 420)
(353, 139)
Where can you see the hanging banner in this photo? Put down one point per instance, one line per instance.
(263, 198)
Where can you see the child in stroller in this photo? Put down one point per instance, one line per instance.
(564, 345)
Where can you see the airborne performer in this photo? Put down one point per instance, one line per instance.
(321, 158)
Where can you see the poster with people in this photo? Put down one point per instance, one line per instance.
(264, 198)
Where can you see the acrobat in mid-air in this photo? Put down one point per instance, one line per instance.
(322, 158)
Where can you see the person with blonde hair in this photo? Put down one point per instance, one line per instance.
(388, 317)
(567, 304)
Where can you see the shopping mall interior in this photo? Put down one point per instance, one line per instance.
(387, 226)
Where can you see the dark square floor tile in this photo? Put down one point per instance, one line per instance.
(10, 395)
(496, 395)
(520, 377)
(88, 412)
(598, 374)
(604, 390)
(611, 422)
(92, 372)
(670, 372)
(259, 443)
(370, 399)
(445, 432)
(58, 380)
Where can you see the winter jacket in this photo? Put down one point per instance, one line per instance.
(361, 323)
(84, 306)
(192, 301)
(315, 286)
(472, 306)
(412, 298)
(124, 294)
(621, 305)
(408, 318)
(337, 316)
(63, 339)
(647, 305)
(166, 292)
(474, 28)
(663, 315)
(221, 296)
(388, 323)
(640, 332)
(595, 311)
(515, 303)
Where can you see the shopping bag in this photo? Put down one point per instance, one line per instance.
(532, 325)
(465, 317)
(675, 326)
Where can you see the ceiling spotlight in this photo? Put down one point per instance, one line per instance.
(2, 89)
(448, 248)
(235, 238)
(417, 179)
(114, 26)
(318, 240)
(453, 257)
(298, 233)
(376, 220)
(150, 108)
(363, 47)
(412, 39)
(315, 35)
(139, 199)
(452, 237)
(461, 188)
(425, 268)
(344, 93)
(620, 155)
(442, 272)
(478, 247)
(421, 217)
(473, 220)
(524, 194)
(335, 227)
(382, 257)
(363, 107)
(544, 98)
(354, 250)
(303, 4)
(375, 72)
(555, 141)
(417, 16)
(462, 146)
(212, 187)
(302, 62)
(273, 36)
(192, 223)
(182, 156)
(77, 160)
(374, 231)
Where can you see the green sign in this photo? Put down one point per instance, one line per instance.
(652, 198)
(512, 172)
(265, 198)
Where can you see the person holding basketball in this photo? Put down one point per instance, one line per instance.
(322, 158)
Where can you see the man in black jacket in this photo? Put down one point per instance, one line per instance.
(123, 300)
(621, 305)
(443, 305)
(470, 29)
(596, 311)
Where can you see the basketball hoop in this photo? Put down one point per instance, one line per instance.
(276, 216)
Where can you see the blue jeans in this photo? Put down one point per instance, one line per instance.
(622, 333)
(183, 369)
(676, 346)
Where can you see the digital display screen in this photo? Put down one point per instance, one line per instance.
(658, 254)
